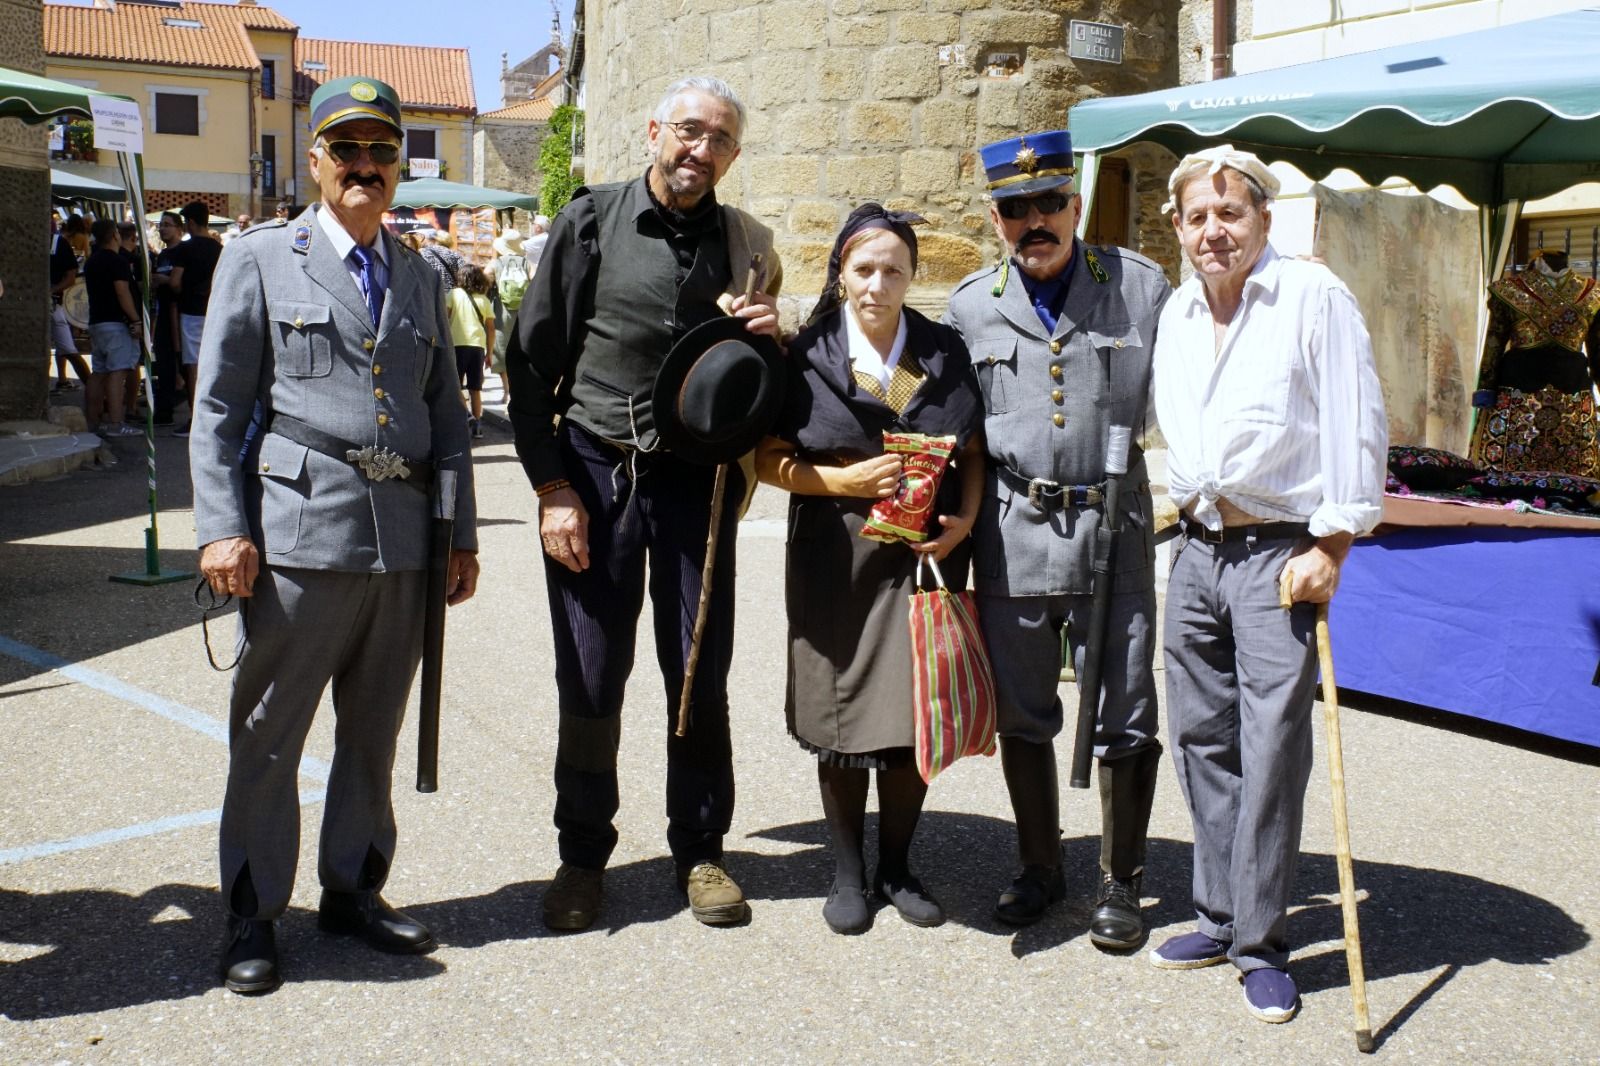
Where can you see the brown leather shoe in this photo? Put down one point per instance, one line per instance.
(714, 897)
(572, 901)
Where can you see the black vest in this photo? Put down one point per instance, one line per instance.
(644, 300)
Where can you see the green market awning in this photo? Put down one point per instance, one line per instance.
(1510, 113)
(436, 192)
(35, 99)
(65, 183)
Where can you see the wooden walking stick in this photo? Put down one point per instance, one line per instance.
(719, 489)
(1341, 823)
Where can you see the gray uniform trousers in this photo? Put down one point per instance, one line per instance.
(1241, 675)
(1023, 634)
(299, 631)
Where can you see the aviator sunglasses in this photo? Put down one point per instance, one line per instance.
(1016, 208)
(383, 153)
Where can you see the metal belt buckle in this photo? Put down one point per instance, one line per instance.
(1039, 489)
(379, 464)
(1085, 495)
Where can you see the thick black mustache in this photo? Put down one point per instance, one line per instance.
(1038, 235)
(364, 179)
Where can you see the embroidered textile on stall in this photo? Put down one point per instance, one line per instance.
(1429, 469)
(1550, 310)
(1544, 430)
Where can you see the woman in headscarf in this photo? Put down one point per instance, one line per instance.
(866, 363)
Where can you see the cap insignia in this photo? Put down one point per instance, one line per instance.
(363, 92)
(1027, 160)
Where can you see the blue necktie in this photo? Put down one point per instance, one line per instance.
(367, 260)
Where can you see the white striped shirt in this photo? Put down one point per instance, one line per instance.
(1286, 419)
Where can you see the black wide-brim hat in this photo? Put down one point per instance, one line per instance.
(718, 392)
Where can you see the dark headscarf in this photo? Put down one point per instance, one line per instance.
(867, 216)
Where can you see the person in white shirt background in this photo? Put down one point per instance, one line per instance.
(1267, 394)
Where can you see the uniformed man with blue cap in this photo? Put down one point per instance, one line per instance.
(1061, 335)
(328, 419)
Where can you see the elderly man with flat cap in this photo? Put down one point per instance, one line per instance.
(1061, 335)
(628, 271)
(329, 418)
(1276, 444)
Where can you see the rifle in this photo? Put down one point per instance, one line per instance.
(1107, 533)
(439, 542)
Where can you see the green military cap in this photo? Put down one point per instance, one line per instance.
(344, 99)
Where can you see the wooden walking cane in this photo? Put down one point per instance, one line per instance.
(1341, 823)
(719, 489)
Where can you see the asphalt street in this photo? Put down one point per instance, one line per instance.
(1475, 854)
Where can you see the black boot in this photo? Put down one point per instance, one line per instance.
(1030, 771)
(250, 959)
(1127, 792)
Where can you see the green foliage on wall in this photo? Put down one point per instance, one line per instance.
(555, 159)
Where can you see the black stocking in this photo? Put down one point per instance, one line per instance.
(844, 803)
(900, 795)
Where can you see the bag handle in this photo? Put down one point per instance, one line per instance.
(933, 564)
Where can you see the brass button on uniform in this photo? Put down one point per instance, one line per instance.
(367, 344)
(1119, 343)
(376, 369)
(1055, 347)
(299, 322)
(383, 420)
(378, 393)
(991, 360)
(1059, 419)
(265, 467)
(1055, 395)
(1055, 371)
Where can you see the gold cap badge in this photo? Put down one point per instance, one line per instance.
(1027, 159)
(363, 92)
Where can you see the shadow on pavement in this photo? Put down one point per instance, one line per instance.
(105, 950)
(1413, 921)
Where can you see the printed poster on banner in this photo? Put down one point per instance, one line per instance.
(117, 125)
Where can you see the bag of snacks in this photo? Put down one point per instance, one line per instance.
(905, 516)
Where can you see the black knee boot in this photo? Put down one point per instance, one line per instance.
(1127, 792)
(1030, 771)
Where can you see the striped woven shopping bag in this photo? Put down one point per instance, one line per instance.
(952, 683)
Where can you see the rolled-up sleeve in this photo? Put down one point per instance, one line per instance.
(1354, 430)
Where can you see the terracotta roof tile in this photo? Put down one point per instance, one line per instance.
(145, 33)
(538, 110)
(429, 78)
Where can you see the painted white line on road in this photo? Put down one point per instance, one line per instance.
(199, 721)
(131, 832)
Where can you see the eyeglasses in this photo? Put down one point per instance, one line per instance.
(382, 153)
(692, 134)
(1016, 208)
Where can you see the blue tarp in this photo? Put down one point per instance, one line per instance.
(1510, 113)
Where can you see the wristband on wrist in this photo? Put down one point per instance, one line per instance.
(552, 486)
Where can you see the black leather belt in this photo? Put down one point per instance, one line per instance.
(1260, 531)
(1048, 495)
(379, 464)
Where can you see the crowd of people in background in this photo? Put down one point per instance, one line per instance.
(98, 307)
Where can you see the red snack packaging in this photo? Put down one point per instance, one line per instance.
(905, 515)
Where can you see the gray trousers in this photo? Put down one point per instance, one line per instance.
(301, 630)
(1023, 634)
(1241, 674)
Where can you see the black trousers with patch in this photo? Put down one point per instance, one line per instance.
(642, 507)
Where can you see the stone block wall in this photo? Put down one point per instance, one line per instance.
(24, 228)
(505, 155)
(855, 100)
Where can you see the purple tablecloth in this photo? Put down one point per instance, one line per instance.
(1500, 624)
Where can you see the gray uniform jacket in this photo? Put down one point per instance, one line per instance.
(1049, 400)
(287, 328)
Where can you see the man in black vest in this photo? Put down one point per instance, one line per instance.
(629, 268)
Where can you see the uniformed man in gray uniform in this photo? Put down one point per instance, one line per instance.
(328, 408)
(1061, 336)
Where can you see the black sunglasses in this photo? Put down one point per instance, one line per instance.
(383, 153)
(1016, 208)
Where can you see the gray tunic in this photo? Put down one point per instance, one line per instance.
(1048, 401)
